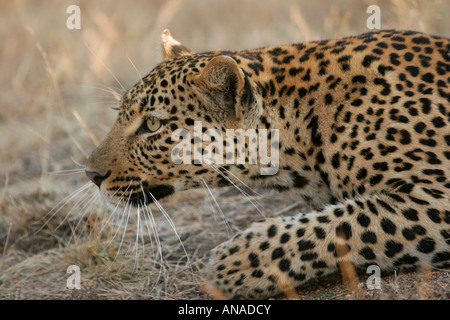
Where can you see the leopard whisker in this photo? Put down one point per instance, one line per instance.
(86, 199)
(115, 207)
(82, 166)
(61, 204)
(125, 226)
(121, 216)
(109, 103)
(142, 229)
(219, 210)
(134, 66)
(65, 172)
(90, 203)
(149, 213)
(136, 243)
(123, 207)
(126, 212)
(166, 215)
(100, 201)
(81, 199)
(150, 234)
(106, 68)
(246, 195)
(118, 205)
(114, 91)
(247, 186)
(85, 208)
(158, 242)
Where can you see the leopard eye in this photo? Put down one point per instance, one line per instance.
(151, 125)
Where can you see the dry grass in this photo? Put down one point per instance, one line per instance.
(57, 89)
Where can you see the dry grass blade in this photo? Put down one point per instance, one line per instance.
(89, 132)
(5, 246)
(300, 22)
(57, 90)
(52, 75)
(5, 186)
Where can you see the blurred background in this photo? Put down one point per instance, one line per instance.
(57, 90)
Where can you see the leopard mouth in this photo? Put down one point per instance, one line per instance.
(151, 194)
(140, 195)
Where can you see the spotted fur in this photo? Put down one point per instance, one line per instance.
(364, 140)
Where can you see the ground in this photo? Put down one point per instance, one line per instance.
(55, 106)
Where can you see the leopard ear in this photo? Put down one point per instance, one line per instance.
(223, 85)
(171, 48)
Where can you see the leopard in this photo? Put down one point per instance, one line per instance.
(364, 143)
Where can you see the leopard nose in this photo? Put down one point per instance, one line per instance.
(96, 177)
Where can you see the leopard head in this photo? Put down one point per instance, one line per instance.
(186, 93)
